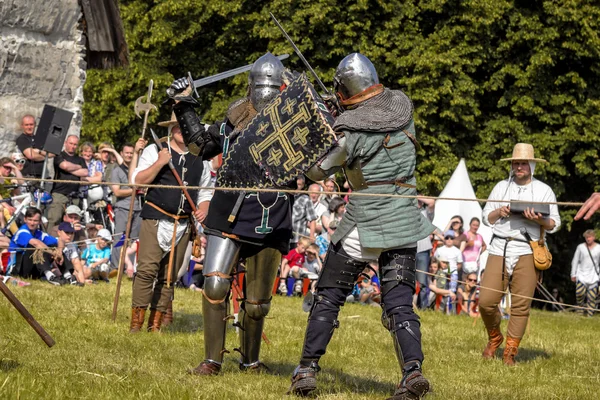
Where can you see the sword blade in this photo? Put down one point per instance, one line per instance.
(299, 53)
(226, 74)
(156, 139)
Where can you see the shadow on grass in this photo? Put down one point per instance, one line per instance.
(8, 365)
(527, 355)
(331, 381)
(186, 323)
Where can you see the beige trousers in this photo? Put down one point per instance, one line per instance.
(153, 265)
(522, 283)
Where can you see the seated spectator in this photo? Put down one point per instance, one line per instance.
(312, 266)
(293, 261)
(97, 256)
(369, 292)
(454, 257)
(4, 268)
(468, 297)
(438, 283)
(72, 262)
(29, 236)
(455, 228)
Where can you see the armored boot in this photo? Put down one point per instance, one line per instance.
(137, 319)
(495, 340)
(304, 379)
(510, 351)
(251, 336)
(168, 316)
(155, 321)
(413, 385)
(215, 325)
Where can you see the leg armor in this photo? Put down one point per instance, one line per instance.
(397, 276)
(221, 256)
(261, 271)
(336, 282)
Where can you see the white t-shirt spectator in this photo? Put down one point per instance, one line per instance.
(451, 254)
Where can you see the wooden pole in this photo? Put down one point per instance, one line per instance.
(25, 314)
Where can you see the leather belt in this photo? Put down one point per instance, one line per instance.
(401, 182)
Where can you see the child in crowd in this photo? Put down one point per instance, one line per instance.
(454, 259)
(293, 261)
(312, 266)
(97, 256)
(438, 282)
(71, 260)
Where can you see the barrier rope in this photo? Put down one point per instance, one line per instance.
(296, 191)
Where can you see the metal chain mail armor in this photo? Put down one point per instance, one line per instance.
(386, 112)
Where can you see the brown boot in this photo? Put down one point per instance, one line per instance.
(510, 351)
(137, 319)
(206, 368)
(495, 340)
(155, 321)
(168, 316)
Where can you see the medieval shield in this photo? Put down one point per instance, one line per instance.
(284, 140)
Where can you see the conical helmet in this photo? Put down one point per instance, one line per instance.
(354, 74)
(265, 80)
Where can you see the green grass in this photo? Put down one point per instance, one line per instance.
(95, 358)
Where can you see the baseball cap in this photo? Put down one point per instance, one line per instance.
(66, 227)
(105, 234)
(73, 209)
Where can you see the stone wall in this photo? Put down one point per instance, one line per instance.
(41, 62)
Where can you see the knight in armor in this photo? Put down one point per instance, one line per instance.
(240, 225)
(378, 155)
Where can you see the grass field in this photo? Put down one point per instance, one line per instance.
(95, 358)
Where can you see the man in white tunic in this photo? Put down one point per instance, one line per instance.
(510, 263)
(585, 271)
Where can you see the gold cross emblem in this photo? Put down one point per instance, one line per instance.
(262, 128)
(289, 106)
(281, 133)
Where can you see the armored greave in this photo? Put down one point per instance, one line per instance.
(335, 284)
(221, 256)
(397, 276)
(261, 271)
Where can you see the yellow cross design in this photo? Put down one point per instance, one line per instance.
(262, 128)
(289, 106)
(280, 135)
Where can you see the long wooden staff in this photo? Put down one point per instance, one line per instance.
(25, 314)
(146, 106)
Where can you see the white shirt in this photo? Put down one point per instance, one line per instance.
(165, 228)
(510, 226)
(451, 254)
(582, 266)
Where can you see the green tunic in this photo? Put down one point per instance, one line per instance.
(384, 222)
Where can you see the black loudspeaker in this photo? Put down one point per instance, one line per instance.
(52, 129)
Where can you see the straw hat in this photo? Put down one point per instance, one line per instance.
(173, 121)
(523, 152)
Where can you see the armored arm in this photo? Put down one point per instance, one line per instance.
(198, 140)
(330, 163)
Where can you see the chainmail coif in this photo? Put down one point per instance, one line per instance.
(386, 112)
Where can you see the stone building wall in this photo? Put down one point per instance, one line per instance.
(41, 62)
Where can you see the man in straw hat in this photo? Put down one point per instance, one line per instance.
(511, 263)
(165, 228)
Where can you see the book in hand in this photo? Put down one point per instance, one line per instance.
(519, 207)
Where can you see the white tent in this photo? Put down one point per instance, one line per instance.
(459, 186)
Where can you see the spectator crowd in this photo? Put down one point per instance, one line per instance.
(72, 234)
